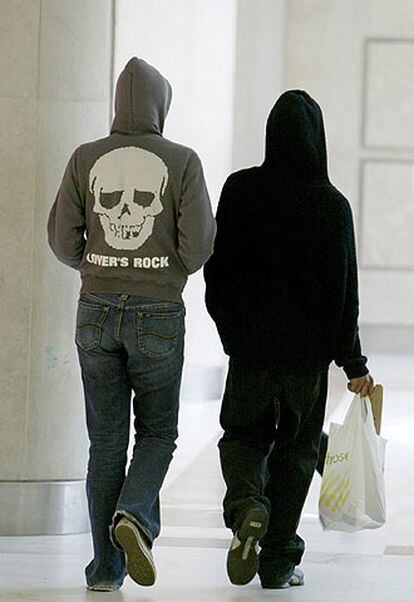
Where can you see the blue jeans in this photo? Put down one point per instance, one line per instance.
(127, 343)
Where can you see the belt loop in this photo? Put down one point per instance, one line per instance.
(123, 300)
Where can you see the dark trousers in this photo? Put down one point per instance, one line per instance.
(127, 344)
(323, 448)
(269, 451)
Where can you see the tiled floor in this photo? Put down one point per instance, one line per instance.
(190, 554)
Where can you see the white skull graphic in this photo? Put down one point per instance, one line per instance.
(127, 184)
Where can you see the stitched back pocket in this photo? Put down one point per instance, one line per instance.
(159, 331)
(89, 321)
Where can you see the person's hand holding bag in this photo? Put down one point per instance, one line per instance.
(364, 385)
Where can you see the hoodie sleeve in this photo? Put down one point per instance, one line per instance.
(196, 224)
(218, 269)
(341, 280)
(66, 222)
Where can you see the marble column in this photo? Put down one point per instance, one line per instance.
(55, 88)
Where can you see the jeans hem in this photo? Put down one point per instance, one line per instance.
(116, 518)
(235, 511)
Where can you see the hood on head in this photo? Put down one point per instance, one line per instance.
(142, 99)
(295, 138)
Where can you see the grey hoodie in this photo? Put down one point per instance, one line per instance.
(132, 213)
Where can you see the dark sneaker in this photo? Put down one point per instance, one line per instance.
(243, 556)
(269, 580)
(138, 562)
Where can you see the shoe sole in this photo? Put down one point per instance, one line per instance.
(101, 588)
(139, 564)
(243, 561)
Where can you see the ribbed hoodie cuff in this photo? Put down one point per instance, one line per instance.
(356, 369)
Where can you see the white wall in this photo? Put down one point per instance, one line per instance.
(369, 114)
(192, 42)
(260, 75)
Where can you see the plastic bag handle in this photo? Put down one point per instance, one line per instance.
(369, 414)
(359, 404)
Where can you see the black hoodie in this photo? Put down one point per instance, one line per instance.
(282, 283)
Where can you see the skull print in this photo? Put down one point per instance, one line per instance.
(127, 184)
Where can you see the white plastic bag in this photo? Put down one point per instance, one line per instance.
(352, 494)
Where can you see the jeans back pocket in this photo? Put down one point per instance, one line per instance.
(89, 322)
(159, 331)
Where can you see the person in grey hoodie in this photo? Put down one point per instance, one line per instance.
(133, 216)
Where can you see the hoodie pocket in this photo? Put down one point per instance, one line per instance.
(89, 322)
(159, 332)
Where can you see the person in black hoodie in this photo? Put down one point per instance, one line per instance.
(282, 288)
